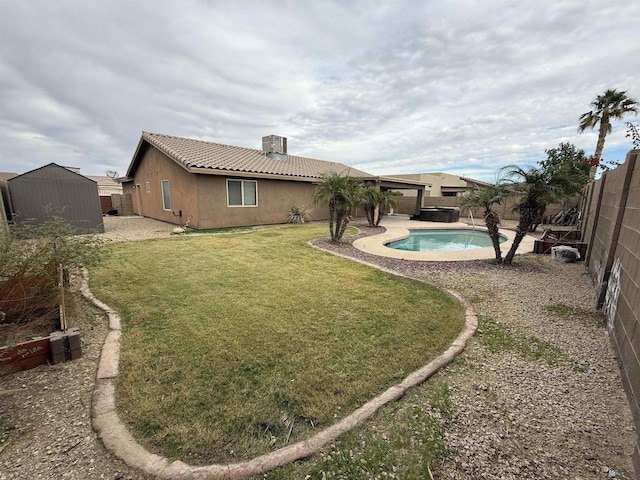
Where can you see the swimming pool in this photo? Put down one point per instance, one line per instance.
(444, 240)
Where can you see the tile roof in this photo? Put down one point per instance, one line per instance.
(192, 153)
(103, 180)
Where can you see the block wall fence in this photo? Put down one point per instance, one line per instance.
(611, 226)
(407, 206)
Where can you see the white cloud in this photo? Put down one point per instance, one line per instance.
(389, 87)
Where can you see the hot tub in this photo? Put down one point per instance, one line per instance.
(437, 214)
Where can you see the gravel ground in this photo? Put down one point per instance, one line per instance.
(45, 424)
(124, 229)
(513, 417)
(517, 418)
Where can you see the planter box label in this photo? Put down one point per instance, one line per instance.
(24, 356)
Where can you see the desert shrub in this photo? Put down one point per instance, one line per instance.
(30, 258)
(299, 214)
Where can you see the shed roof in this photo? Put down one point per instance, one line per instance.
(51, 171)
(199, 156)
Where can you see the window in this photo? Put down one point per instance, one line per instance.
(449, 194)
(148, 186)
(242, 193)
(166, 197)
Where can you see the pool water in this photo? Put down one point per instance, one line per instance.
(444, 240)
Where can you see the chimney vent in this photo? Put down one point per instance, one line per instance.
(275, 147)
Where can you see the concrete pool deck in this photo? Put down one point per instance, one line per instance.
(398, 226)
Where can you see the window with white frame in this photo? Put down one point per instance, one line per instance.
(166, 196)
(148, 186)
(242, 193)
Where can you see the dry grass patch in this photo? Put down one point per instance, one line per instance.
(235, 345)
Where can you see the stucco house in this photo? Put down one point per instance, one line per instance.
(212, 185)
(443, 189)
(107, 186)
(443, 184)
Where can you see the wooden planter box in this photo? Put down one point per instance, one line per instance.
(24, 356)
(57, 347)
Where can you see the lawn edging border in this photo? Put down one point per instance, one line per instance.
(119, 441)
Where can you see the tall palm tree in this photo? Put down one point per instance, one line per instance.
(537, 188)
(486, 198)
(342, 194)
(612, 105)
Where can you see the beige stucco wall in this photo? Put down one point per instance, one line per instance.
(275, 199)
(436, 180)
(153, 168)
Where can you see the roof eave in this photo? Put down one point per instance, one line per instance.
(404, 183)
(244, 174)
(143, 144)
(473, 180)
(135, 159)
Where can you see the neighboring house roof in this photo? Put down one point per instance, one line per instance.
(450, 177)
(106, 185)
(442, 180)
(401, 180)
(4, 176)
(198, 156)
(475, 182)
(103, 180)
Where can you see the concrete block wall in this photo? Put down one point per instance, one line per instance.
(123, 203)
(611, 225)
(406, 205)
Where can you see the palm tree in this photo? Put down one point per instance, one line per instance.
(611, 105)
(343, 194)
(486, 198)
(371, 197)
(377, 203)
(388, 201)
(537, 188)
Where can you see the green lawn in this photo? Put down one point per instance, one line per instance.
(234, 345)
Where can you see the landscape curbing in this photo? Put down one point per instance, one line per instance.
(119, 441)
(110, 356)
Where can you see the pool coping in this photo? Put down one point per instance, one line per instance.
(398, 226)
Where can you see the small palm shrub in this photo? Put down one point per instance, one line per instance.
(299, 214)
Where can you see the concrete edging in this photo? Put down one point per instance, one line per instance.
(117, 439)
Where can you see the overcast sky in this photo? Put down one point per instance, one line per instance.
(385, 86)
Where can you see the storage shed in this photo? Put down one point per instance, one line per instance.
(70, 194)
